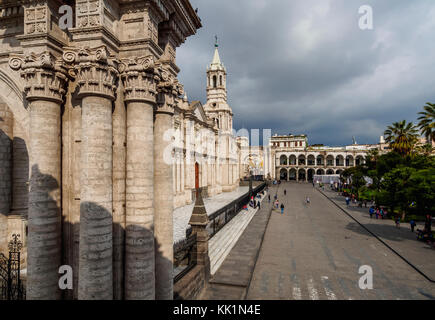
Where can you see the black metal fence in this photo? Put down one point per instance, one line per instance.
(221, 217)
(184, 256)
(11, 286)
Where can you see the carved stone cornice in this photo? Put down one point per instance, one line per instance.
(95, 70)
(169, 89)
(44, 76)
(139, 77)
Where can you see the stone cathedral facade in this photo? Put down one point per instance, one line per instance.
(84, 119)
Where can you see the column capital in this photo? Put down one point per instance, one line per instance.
(95, 69)
(139, 76)
(168, 88)
(44, 76)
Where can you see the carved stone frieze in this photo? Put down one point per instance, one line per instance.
(44, 76)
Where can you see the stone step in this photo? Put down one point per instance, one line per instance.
(222, 243)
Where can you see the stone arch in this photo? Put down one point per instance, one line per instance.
(311, 160)
(339, 171)
(293, 174)
(359, 160)
(350, 161)
(330, 172)
(320, 172)
(320, 160)
(283, 174)
(310, 174)
(339, 161)
(302, 160)
(292, 160)
(302, 175)
(330, 160)
(283, 160)
(12, 94)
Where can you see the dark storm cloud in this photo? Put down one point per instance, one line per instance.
(304, 66)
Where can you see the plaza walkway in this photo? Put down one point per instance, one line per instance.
(233, 276)
(182, 215)
(402, 240)
(224, 240)
(315, 251)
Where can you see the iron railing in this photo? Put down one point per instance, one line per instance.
(219, 218)
(184, 256)
(11, 287)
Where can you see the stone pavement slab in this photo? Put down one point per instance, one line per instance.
(402, 240)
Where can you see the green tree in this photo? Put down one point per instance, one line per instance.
(402, 137)
(395, 189)
(422, 190)
(427, 121)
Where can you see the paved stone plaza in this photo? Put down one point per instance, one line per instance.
(314, 252)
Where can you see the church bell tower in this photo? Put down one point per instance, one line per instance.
(217, 107)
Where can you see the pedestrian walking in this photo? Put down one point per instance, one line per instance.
(347, 201)
(397, 222)
(282, 208)
(276, 203)
(259, 204)
(371, 211)
(285, 192)
(413, 224)
(307, 200)
(377, 213)
(268, 196)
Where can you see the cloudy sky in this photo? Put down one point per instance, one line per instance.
(305, 66)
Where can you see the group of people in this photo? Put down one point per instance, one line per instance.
(276, 202)
(379, 212)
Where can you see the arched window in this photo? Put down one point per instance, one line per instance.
(220, 80)
(214, 81)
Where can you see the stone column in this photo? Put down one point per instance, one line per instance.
(44, 80)
(96, 74)
(168, 88)
(119, 121)
(6, 125)
(140, 96)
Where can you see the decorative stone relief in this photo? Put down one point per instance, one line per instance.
(88, 13)
(139, 78)
(95, 70)
(36, 19)
(168, 89)
(44, 76)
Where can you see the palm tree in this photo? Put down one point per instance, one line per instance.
(427, 121)
(425, 149)
(402, 136)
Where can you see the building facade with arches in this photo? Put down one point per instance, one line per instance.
(295, 160)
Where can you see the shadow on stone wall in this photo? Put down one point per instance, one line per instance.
(107, 256)
(65, 234)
